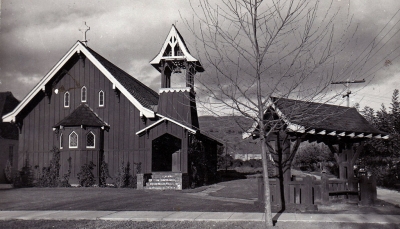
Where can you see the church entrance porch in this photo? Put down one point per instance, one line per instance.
(166, 154)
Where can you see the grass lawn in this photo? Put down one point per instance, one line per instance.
(126, 199)
(113, 199)
(242, 189)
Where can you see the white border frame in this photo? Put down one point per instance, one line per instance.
(104, 97)
(84, 100)
(61, 141)
(69, 140)
(69, 98)
(94, 140)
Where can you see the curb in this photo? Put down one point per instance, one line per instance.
(196, 216)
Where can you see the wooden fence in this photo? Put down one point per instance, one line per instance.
(308, 192)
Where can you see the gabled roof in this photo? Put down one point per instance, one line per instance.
(7, 102)
(128, 86)
(145, 95)
(163, 118)
(175, 42)
(83, 115)
(8, 131)
(324, 116)
(191, 130)
(319, 118)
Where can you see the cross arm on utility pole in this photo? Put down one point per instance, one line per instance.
(346, 84)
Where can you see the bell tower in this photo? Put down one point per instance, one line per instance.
(175, 60)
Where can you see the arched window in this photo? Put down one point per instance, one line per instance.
(73, 140)
(83, 94)
(90, 140)
(101, 99)
(66, 99)
(61, 141)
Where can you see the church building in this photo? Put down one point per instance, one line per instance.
(93, 111)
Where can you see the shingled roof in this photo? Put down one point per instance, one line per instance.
(141, 96)
(7, 104)
(145, 95)
(318, 119)
(320, 116)
(82, 115)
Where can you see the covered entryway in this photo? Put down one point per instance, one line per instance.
(342, 129)
(166, 153)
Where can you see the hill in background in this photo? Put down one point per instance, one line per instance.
(228, 130)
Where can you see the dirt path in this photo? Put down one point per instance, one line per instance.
(389, 196)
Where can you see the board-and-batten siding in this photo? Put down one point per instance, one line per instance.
(159, 130)
(121, 144)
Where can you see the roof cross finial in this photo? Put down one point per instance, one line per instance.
(84, 31)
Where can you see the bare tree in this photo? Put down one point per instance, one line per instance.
(254, 49)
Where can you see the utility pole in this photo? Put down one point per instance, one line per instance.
(348, 92)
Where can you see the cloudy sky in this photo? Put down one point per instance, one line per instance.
(34, 36)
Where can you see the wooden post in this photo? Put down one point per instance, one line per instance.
(324, 188)
(286, 173)
(368, 190)
(307, 193)
(139, 181)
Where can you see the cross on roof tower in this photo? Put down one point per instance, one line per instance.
(84, 31)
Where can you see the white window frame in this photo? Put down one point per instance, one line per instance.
(94, 140)
(61, 141)
(101, 93)
(77, 140)
(68, 96)
(83, 92)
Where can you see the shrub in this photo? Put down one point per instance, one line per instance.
(236, 163)
(138, 167)
(248, 170)
(104, 173)
(50, 175)
(8, 172)
(65, 181)
(255, 163)
(24, 178)
(311, 155)
(85, 176)
(128, 177)
(124, 178)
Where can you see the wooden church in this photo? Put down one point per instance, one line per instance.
(93, 111)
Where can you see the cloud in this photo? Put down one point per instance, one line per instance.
(33, 37)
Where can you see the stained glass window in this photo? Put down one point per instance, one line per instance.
(73, 140)
(66, 99)
(90, 140)
(101, 99)
(83, 94)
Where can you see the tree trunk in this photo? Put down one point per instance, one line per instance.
(267, 195)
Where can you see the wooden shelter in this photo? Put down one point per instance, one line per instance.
(342, 129)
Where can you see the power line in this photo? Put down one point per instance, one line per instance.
(373, 46)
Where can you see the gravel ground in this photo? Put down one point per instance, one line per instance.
(14, 224)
